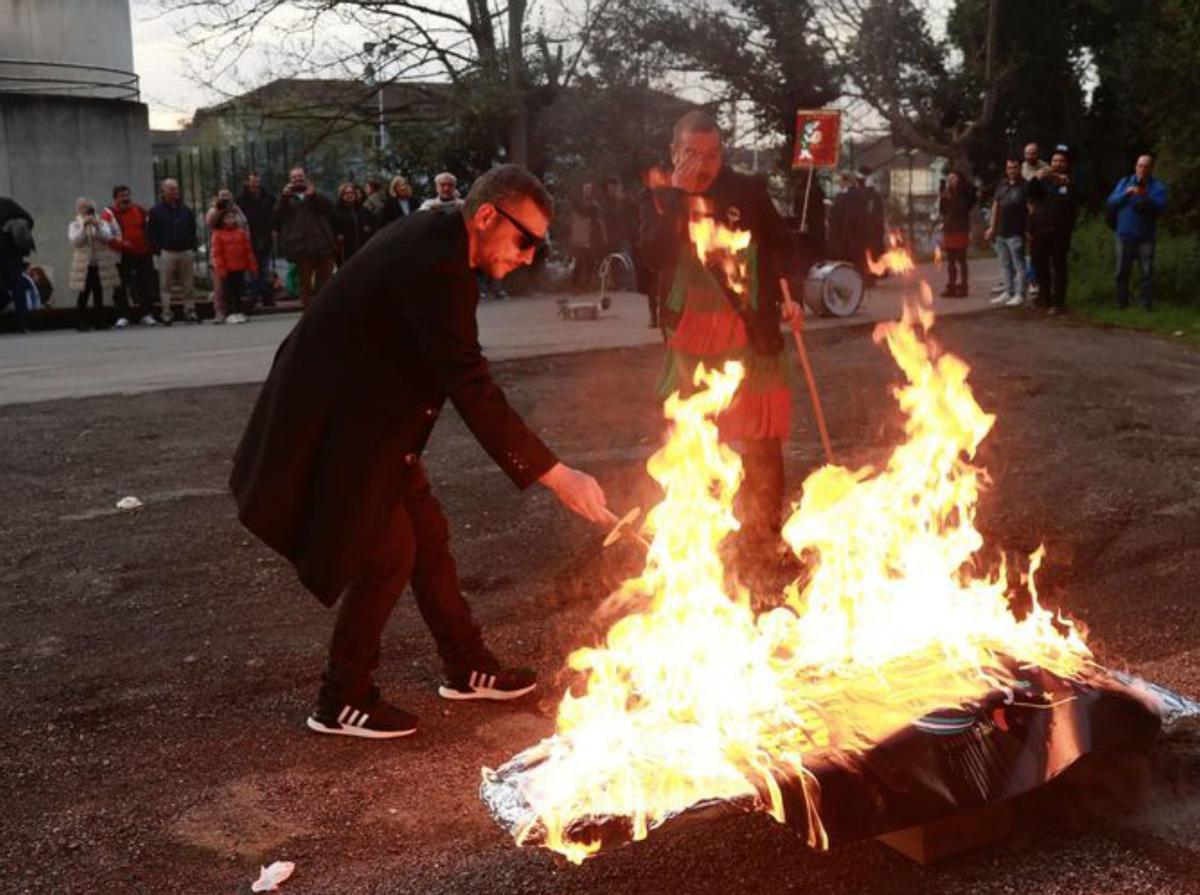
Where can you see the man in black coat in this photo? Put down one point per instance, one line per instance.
(329, 469)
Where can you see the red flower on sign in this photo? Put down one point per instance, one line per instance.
(818, 136)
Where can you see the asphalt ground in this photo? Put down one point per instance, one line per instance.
(158, 663)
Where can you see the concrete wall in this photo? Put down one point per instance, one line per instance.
(55, 149)
(86, 32)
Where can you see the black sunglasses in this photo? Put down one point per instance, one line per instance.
(529, 239)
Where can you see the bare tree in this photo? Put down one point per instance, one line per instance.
(933, 95)
(478, 47)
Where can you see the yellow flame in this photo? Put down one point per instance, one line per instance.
(719, 246)
(694, 696)
(896, 258)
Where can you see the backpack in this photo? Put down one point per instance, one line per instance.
(20, 234)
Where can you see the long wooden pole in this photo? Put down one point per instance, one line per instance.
(796, 321)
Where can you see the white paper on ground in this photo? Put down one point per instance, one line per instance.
(269, 878)
(128, 503)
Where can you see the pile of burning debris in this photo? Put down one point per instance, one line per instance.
(904, 679)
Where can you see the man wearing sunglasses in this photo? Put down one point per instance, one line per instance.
(329, 470)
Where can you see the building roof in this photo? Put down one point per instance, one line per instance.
(289, 97)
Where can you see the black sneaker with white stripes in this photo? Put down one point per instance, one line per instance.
(492, 683)
(370, 718)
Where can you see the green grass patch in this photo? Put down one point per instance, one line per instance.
(1093, 286)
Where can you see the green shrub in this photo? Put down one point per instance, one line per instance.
(1094, 266)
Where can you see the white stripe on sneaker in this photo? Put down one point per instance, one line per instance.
(342, 716)
(474, 674)
(362, 722)
(491, 681)
(353, 717)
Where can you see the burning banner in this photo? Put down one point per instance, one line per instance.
(900, 680)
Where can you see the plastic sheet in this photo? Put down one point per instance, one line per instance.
(942, 764)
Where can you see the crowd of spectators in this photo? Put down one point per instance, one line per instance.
(146, 257)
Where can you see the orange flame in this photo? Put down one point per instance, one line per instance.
(895, 259)
(693, 696)
(719, 246)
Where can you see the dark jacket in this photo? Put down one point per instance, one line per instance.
(259, 211)
(354, 393)
(352, 225)
(1137, 216)
(856, 224)
(171, 228)
(10, 211)
(304, 228)
(394, 209)
(1054, 202)
(738, 200)
(955, 208)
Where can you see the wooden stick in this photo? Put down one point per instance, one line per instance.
(796, 320)
(807, 191)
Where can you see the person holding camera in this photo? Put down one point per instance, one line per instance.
(1135, 204)
(93, 261)
(214, 220)
(302, 217)
(172, 234)
(1054, 204)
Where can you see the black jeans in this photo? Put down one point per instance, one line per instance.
(413, 548)
(1049, 252)
(92, 287)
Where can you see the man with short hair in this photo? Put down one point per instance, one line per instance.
(258, 207)
(16, 242)
(1137, 201)
(1054, 202)
(1009, 219)
(171, 233)
(1031, 164)
(136, 266)
(302, 217)
(329, 470)
(447, 198)
(708, 322)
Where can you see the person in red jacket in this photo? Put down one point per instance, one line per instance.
(232, 258)
(136, 266)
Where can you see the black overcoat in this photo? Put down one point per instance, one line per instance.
(353, 395)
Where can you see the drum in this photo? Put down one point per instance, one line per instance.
(833, 289)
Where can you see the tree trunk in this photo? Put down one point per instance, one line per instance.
(518, 127)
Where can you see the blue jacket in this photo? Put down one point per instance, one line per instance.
(171, 227)
(1137, 216)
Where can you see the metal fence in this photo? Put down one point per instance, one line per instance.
(202, 172)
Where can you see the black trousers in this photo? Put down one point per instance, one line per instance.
(413, 548)
(91, 287)
(233, 287)
(138, 284)
(1049, 253)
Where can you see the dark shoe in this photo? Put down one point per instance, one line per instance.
(83, 327)
(370, 718)
(963, 290)
(488, 682)
(1054, 311)
(951, 291)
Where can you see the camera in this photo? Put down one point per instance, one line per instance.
(89, 211)
(222, 204)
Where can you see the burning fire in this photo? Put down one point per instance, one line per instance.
(693, 696)
(718, 246)
(895, 259)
